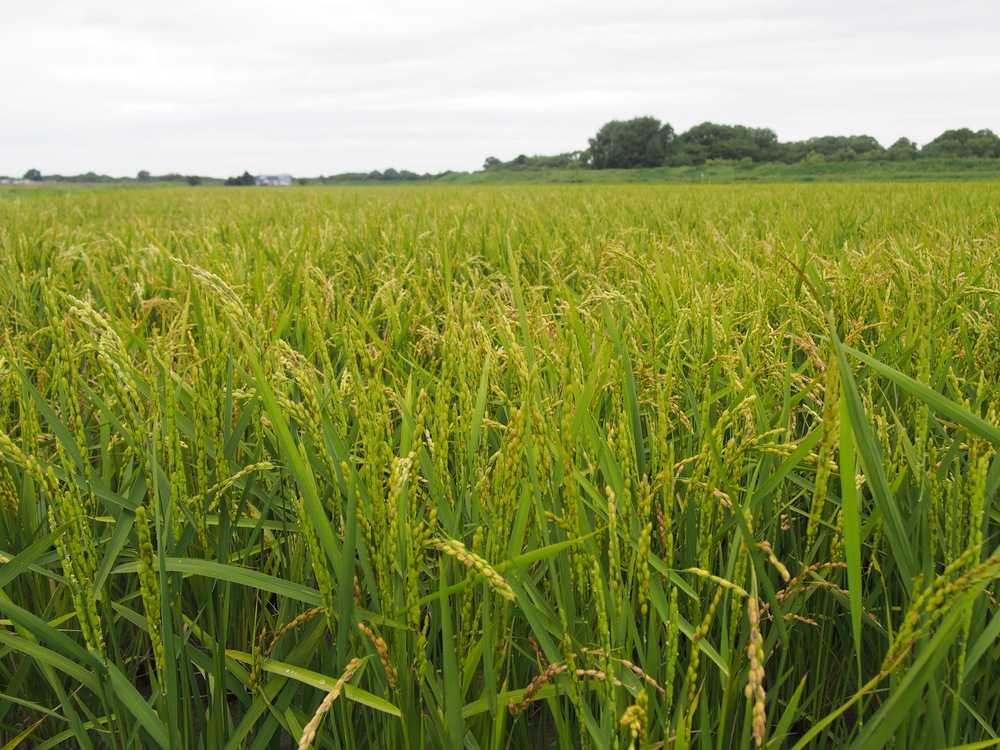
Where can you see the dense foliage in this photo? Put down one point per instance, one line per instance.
(640, 142)
(244, 180)
(728, 171)
(645, 142)
(522, 162)
(574, 467)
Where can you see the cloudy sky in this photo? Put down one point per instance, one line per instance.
(312, 87)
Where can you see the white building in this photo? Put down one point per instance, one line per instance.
(272, 180)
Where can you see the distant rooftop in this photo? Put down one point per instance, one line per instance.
(272, 180)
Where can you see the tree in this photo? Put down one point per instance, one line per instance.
(193, 180)
(731, 142)
(143, 176)
(833, 148)
(640, 142)
(902, 150)
(245, 179)
(523, 162)
(983, 144)
(767, 141)
(34, 175)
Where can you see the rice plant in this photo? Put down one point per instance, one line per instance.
(546, 467)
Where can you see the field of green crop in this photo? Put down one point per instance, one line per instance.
(539, 467)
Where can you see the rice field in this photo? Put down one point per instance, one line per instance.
(539, 467)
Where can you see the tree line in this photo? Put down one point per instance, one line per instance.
(245, 179)
(646, 142)
(92, 178)
(389, 175)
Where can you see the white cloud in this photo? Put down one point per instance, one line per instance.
(312, 87)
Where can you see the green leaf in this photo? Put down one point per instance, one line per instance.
(852, 528)
(944, 406)
(13, 567)
(631, 398)
(130, 698)
(233, 574)
(319, 681)
(872, 463)
(878, 731)
(64, 664)
(290, 452)
(60, 430)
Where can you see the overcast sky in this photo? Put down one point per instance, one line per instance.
(310, 87)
